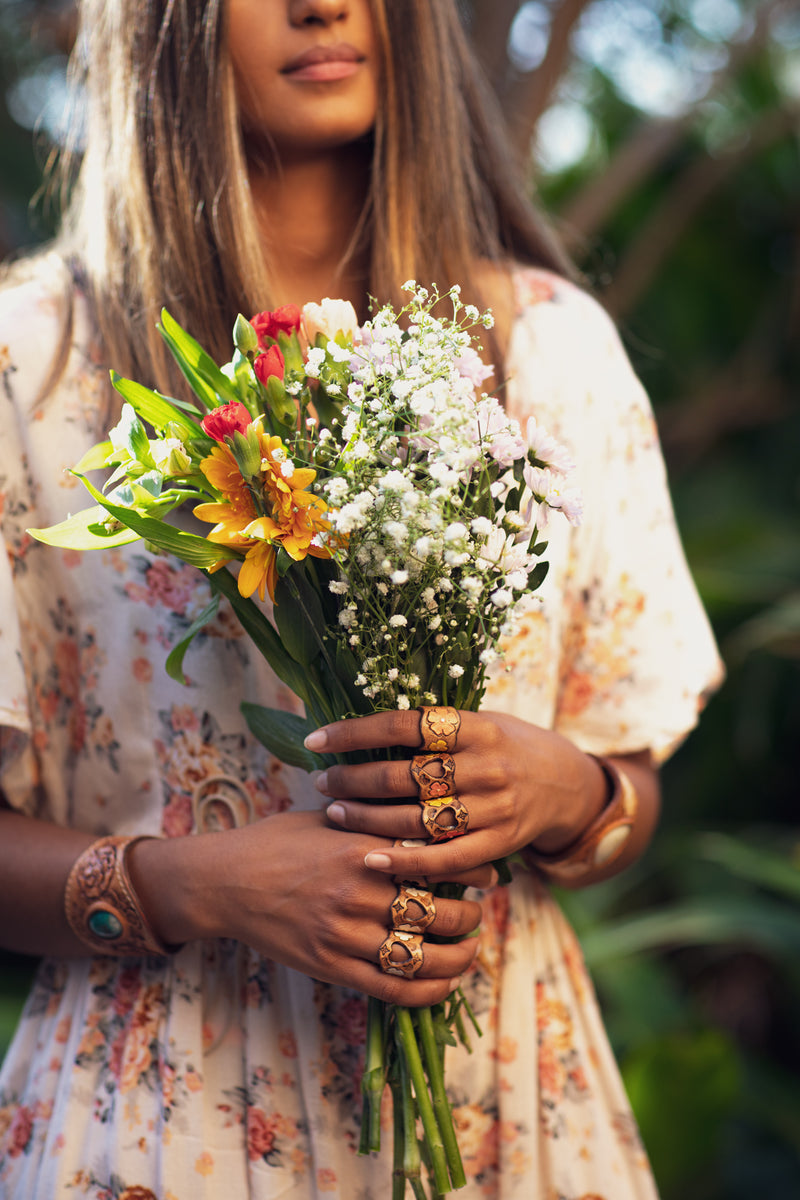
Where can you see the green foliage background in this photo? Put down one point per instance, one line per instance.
(695, 949)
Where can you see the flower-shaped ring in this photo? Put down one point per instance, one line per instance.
(432, 783)
(444, 819)
(413, 909)
(438, 728)
(411, 944)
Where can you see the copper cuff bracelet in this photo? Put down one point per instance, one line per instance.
(101, 905)
(605, 839)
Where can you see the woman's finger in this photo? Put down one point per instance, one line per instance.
(483, 878)
(393, 989)
(461, 772)
(442, 961)
(383, 730)
(383, 820)
(450, 860)
(404, 820)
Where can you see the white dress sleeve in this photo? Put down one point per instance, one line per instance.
(637, 656)
(34, 321)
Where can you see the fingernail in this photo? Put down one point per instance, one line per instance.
(317, 740)
(321, 782)
(337, 813)
(455, 984)
(377, 861)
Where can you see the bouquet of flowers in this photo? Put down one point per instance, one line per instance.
(392, 512)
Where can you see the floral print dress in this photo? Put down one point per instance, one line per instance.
(220, 1075)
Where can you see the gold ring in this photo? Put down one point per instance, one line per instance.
(411, 944)
(413, 909)
(434, 810)
(432, 786)
(438, 727)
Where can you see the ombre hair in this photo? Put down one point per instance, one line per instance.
(158, 210)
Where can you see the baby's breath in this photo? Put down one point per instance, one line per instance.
(434, 497)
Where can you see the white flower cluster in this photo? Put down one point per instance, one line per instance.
(435, 497)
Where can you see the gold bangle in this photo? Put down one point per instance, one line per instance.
(604, 840)
(101, 905)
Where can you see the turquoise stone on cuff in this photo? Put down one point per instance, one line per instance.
(104, 924)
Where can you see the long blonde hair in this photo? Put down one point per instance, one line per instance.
(158, 209)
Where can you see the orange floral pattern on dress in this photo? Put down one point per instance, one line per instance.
(126, 1077)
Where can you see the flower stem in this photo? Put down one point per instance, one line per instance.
(373, 1079)
(398, 1172)
(407, 1135)
(444, 1117)
(408, 1041)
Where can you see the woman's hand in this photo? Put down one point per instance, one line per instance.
(521, 785)
(299, 892)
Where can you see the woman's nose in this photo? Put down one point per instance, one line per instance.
(317, 12)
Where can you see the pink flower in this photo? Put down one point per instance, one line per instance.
(471, 366)
(268, 364)
(126, 990)
(260, 1134)
(177, 819)
(225, 420)
(351, 1023)
(281, 320)
(20, 1130)
(546, 450)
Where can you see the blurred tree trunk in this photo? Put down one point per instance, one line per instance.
(531, 93)
(652, 141)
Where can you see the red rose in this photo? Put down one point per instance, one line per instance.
(225, 420)
(268, 364)
(270, 324)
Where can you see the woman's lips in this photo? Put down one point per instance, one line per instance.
(324, 63)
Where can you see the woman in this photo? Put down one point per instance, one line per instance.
(271, 153)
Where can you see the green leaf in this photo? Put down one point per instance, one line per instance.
(328, 410)
(187, 546)
(715, 921)
(537, 575)
(684, 1088)
(174, 663)
(299, 616)
(263, 635)
(95, 458)
(204, 376)
(282, 407)
(158, 410)
(282, 733)
(751, 862)
(85, 531)
(284, 562)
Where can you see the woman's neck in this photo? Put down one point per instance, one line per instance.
(308, 213)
